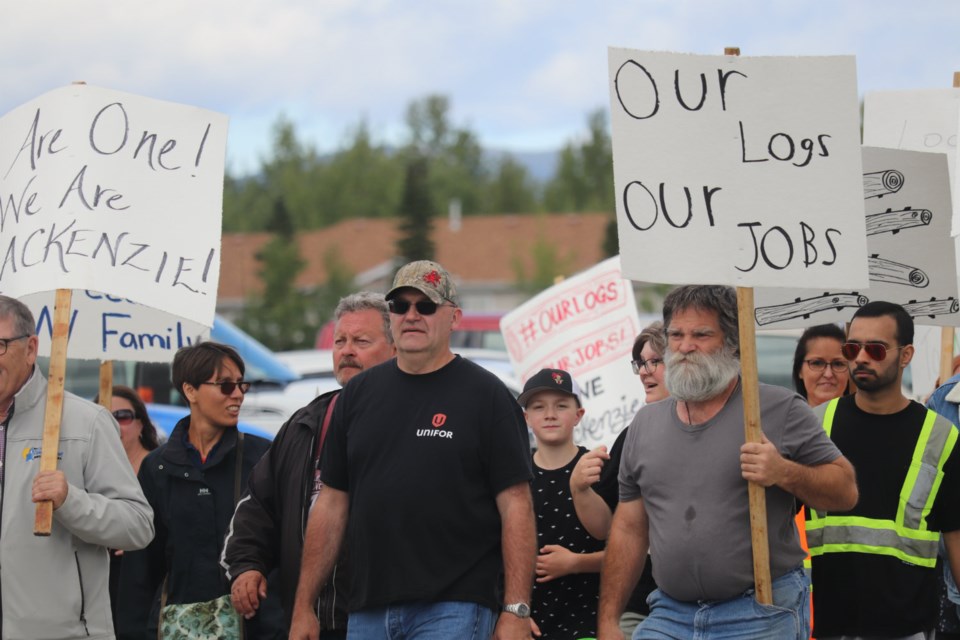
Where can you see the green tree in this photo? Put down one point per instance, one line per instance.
(416, 213)
(282, 317)
(512, 189)
(454, 156)
(584, 178)
(362, 180)
(548, 265)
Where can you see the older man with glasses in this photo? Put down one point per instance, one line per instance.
(426, 476)
(97, 500)
(874, 567)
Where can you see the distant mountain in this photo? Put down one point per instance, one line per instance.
(542, 165)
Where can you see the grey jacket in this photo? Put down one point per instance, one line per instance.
(56, 587)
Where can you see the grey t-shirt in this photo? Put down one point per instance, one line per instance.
(696, 499)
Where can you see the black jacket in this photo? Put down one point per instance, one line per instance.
(269, 523)
(192, 508)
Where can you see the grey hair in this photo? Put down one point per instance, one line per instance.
(362, 301)
(23, 322)
(708, 297)
(652, 334)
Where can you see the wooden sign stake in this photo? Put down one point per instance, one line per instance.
(752, 433)
(106, 384)
(43, 517)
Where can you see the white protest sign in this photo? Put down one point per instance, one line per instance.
(104, 327)
(586, 326)
(926, 120)
(906, 196)
(737, 170)
(114, 192)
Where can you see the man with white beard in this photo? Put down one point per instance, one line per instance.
(683, 490)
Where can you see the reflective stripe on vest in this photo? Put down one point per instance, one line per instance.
(906, 537)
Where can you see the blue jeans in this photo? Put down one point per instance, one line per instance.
(741, 617)
(423, 621)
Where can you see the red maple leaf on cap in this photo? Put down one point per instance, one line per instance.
(432, 278)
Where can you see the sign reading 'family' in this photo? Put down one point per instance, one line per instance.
(736, 170)
(113, 192)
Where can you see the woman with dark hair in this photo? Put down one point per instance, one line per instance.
(137, 432)
(193, 481)
(820, 371)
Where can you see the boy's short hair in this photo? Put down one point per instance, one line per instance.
(556, 380)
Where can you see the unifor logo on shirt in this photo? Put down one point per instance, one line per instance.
(439, 419)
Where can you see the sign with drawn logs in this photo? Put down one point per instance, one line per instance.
(911, 256)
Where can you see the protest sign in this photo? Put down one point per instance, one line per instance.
(105, 327)
(114, 192)
(737, 170)
(925, 120)
(907, 209)
(585, 325)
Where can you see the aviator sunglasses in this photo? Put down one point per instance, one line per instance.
(424, 307)
(875, 350)
(227, 386)
(124, 416)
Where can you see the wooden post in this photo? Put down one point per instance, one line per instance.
(106, 384)
(752, 433)
(43, 517)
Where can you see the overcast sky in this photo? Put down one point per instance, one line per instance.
(523, 74)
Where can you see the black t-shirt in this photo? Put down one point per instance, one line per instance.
(423, 458)
(564, 608)
(865, 594)
(608, 488)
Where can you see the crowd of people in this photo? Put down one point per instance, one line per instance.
(408, 504)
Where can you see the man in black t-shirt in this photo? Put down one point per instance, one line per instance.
(426, 472)
(874, 572)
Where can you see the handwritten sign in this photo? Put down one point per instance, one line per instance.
(104, 327)
(925, 120)
(585, 325)
(109, 191)
(737, 170)
(912, 262)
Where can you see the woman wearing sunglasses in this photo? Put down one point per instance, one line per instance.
(193, 481)
(137, 432)
(820, 370)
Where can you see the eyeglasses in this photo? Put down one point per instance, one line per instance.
(227, 386)
(650, 365)
(4, 342)
(424, 307)
(875, 350)
(124, 416)
(817, 365)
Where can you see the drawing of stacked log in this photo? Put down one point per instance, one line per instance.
(875, 185)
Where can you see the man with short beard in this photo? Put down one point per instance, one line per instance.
(874, 567)
(269, 522)
(683, 490)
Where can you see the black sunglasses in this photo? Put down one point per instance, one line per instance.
(424, 307)
(124, 416)
(875, 350)
(227, 386)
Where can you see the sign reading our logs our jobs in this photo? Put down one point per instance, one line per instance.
(586, 326)
(734, 170)
(113, 192)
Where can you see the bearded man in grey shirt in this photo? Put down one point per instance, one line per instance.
(683, 490)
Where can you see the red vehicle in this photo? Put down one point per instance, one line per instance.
(476, 331)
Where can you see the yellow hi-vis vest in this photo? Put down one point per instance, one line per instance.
(906, 537)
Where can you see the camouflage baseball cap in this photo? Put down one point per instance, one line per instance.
(428, 277)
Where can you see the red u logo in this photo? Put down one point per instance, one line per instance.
(439, 419)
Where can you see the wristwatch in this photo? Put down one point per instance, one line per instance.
(519, 609)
